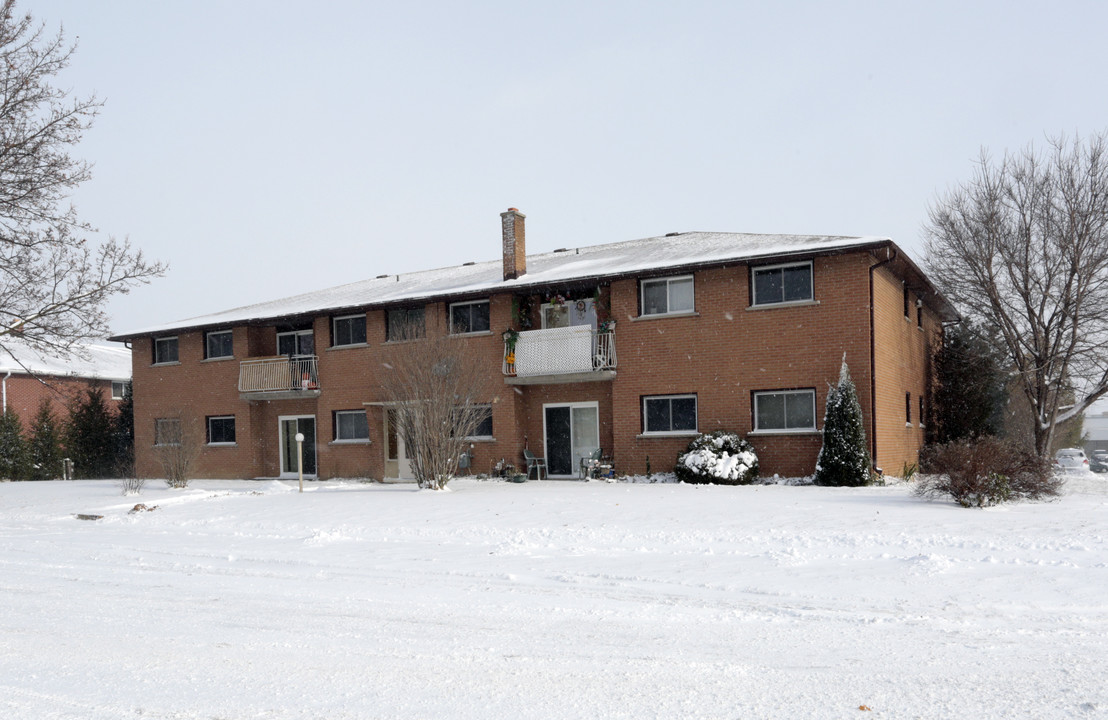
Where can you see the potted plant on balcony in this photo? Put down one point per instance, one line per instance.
(511, 337)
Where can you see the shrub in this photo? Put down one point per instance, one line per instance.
(720, 457)
(844, 457)
(986, 471)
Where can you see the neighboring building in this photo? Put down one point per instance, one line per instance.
(30, 376)
(645, 344)
(1096, 429)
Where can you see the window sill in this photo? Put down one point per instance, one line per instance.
(223, 444)
(367, 441)
(405, 340)
(663, 435)
(165, 364)
(476, 333)
(347, 347)
(800, 431)
(480, 439)
(664, 316)
(780, 305)
(221, 358)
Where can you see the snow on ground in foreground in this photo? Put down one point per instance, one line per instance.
(549, 600)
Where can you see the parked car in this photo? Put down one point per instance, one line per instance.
(1071, 460)
(1098, 463)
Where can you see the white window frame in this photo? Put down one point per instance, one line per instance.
(470, 302)
(122, 389)
(297, 334)
(335, 330)
(207, 347)
(177, 350)
(209, 428)
(671, 432)
(781, 266)
(807, 391)
(391, 329)
(350, 440)
(669, 303)
(159, 423)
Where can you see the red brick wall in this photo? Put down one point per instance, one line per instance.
(26, 393)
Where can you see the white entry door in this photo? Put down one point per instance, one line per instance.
(398, 451)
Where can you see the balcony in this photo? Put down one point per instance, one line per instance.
(279, 377)
(560, 355)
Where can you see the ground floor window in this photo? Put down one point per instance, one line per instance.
(167, 431)
(484, 429)
(221, 430)
(785, 410)
(351, 425)
(669, 414)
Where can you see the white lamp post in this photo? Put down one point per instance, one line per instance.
(300, 459)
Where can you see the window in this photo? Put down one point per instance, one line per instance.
(348, 330)
(919, 314)
(669, 414)
(351, 425)
(785, 410)
(167, 431)
(404, 324)
(218, 344)
(296, 343)
(667, 295)
(221, 430)
(907, 303)
(783, 284)
(921, 414)
(119, 389)
(165, 350)
(908, 408)
(470, 317)
(484, 430)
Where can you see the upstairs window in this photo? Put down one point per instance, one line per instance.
(785, 410)
(348, 330)
(405, 324)
(221, 430)
(119, 389)
(218, 344)
(666, 296)
(296, 343)
(779, 284)
(669, 414)
(167, 431)
(165, 350)
(351, 425)
(469, 317)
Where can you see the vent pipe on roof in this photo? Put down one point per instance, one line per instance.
(515, 247)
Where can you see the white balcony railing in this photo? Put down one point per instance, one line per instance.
(279, 374)
(560, 351)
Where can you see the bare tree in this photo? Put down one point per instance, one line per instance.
(178, 441)
(54, 281)
(1023, 247)
(439, 391)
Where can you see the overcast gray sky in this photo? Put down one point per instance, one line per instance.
(269, 148)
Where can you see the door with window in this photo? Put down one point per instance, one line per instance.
(297, 343)
(289, 427)
(398, 465)
(573, 313)
(571, 431)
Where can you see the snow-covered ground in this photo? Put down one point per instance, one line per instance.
(549, 600)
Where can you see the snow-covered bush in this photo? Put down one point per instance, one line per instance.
(720, 457)
(844, 458)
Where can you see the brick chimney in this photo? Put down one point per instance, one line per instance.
(515, 247)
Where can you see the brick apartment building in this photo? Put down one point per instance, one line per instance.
(633, 347)
(27, 377)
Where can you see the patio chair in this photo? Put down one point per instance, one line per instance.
(538, 463)
(590, 462)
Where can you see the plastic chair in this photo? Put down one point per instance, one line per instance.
(590, 463)
(538, 463)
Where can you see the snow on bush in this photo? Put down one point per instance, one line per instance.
(720, 457)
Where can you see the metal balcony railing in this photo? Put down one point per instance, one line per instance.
(279, 374)
(560, 351)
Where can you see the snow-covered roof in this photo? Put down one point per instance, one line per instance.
(598, 261)
(94, 360)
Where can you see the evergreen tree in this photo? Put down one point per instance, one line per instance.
(844, 457)
(44, 449)
(970, 394)
(13, 449)
(123, 428)
(90, 436)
